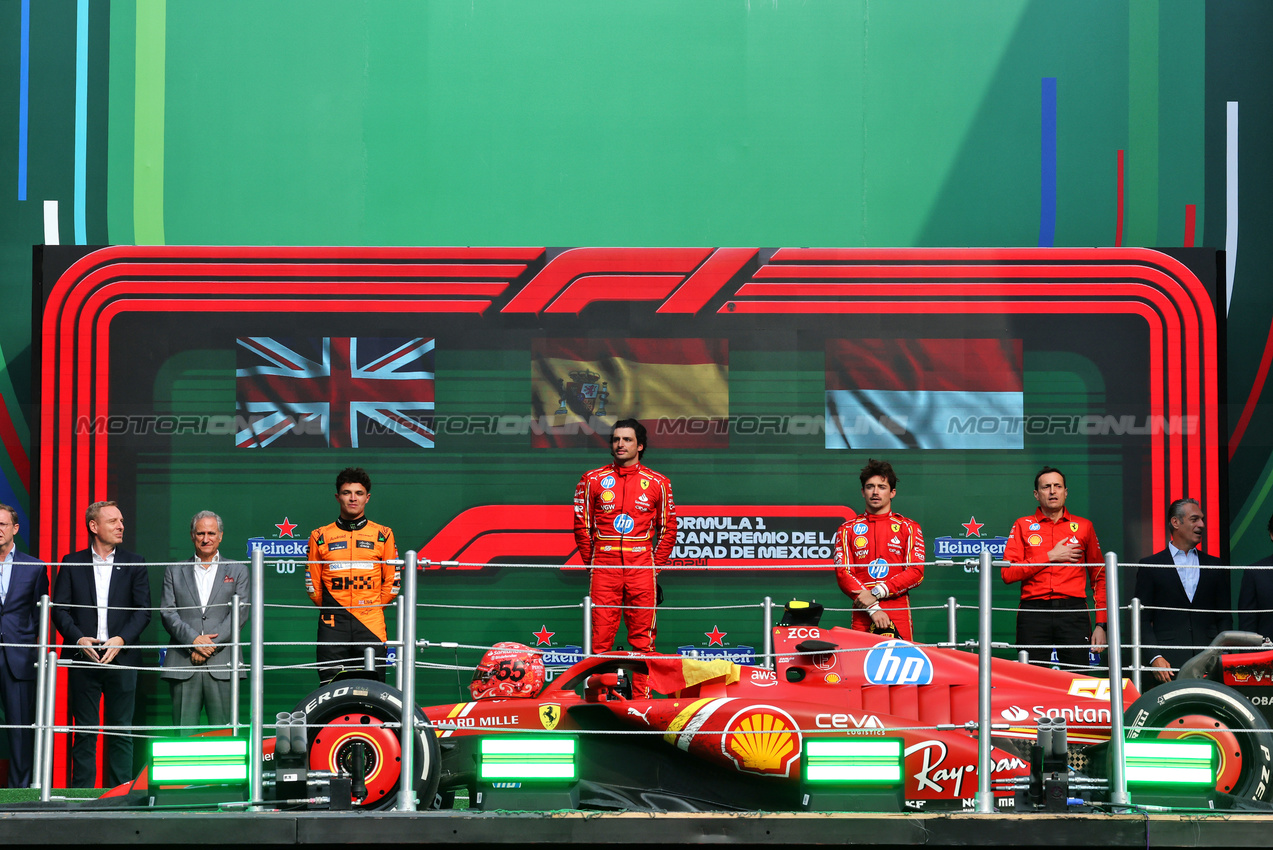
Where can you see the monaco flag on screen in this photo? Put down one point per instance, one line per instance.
(677, 388)
(342, 392)
(924, 394)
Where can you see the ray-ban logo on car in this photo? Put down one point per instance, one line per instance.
(896, 662)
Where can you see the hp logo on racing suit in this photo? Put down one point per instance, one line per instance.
(878, 568)
(896, 662)
(624, 524)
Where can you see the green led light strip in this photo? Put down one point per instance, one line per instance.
(876, 762)
(222, 760)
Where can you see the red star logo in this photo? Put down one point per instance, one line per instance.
(715, 637)
(285, 528)
(972, 528)
(543, 637)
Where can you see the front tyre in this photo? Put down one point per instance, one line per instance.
(360, 711)
(1197, 708)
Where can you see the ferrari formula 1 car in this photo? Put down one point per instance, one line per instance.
(729, 737)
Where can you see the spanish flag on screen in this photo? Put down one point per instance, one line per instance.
(924, 394)
(677, 388)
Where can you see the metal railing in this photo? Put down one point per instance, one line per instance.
(407, 644)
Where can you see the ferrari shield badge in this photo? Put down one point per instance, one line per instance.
(549, 715)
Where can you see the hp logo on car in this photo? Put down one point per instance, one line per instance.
(624, 524)
(896, 662)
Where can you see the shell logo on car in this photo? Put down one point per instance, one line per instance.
(762, 739)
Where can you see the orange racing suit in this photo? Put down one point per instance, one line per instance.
(350, 578)
(867, 550)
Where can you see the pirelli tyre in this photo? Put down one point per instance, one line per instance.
(343, 713)
(1196, 708)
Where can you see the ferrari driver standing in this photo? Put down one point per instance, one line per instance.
(880, 556)
(625, 528)
(350, 577)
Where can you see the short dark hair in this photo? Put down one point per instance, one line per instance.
(635, 426)
(1177, 509)
(353, 475)
(1044, 471)
(13, 512)
(882, 468)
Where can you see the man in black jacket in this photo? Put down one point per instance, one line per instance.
(1255, 598)
(101, 603)
(1173, 636)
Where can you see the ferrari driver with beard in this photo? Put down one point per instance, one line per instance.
(350, 576)
(625, 528)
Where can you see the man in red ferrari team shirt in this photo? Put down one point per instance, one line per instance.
(625, 528)
(880, 556)
(1044, 550)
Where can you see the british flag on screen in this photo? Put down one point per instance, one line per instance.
(341, 392)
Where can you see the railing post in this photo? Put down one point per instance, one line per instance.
(402, 647)
(37, 755)
(235, 625)
(587, 626)
(50, 698)
(952, 624)
(406, 773)
(985, 795)
(1135, 624)
(256, 681)
(768, 658)
(1118, 768)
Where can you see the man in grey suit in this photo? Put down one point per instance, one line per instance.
(196, 611)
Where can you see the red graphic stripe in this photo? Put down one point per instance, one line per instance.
(1177, 284)
(1118, 226)
(1191, 217)
(1256, 388)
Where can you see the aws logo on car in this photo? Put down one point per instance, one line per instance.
(897, 662)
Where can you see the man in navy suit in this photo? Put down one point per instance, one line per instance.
(23, 580)
(1255, 599)
(1181, 583)
(102, 604)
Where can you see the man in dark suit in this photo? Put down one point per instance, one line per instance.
(23, 580)
(102, 604)
(196, 611)
(1255, 598)
(1181, 583)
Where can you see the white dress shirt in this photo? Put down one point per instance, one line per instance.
(6, 572)
(1186, 568)
(102, 569)
(204, 576)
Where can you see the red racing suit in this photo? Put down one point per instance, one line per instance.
(349, 578)
(625, 528)
(1031, 539)
(867, 550)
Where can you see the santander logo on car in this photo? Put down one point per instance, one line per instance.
(1014, 714)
